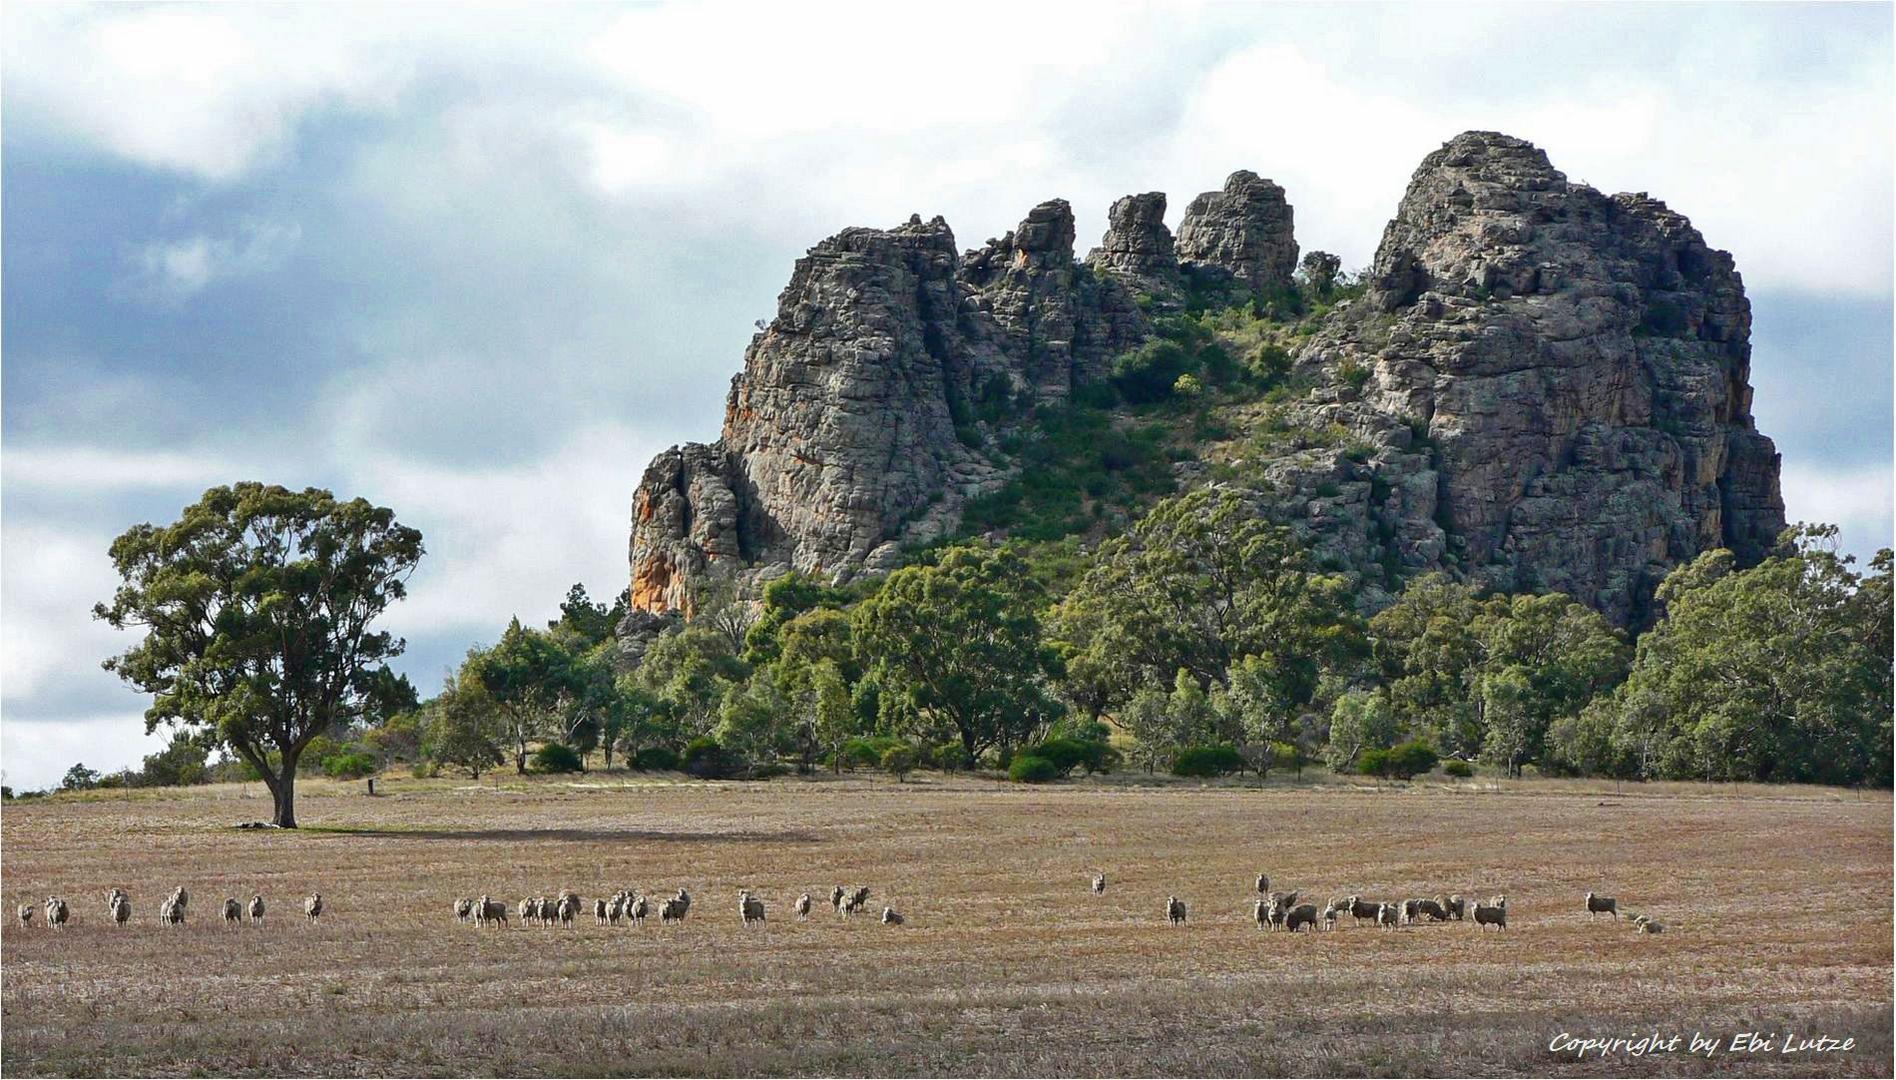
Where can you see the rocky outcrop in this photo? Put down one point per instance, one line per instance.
(1137, 249)
(1244, 231)
(1546, 388)
(861, 419)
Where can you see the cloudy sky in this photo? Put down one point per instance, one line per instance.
(479, 264)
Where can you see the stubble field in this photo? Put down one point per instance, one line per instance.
(1777, 905)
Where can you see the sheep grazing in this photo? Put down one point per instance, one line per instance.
(684, 901)
(490, 912)
(233, 911)
(256, 909)
(1288, 899)
(1330, 916)
(1408, 910)
(1495, 914)
(121, 910)
(1361, 909)
(637, 908)
(837, 896)
(1596, 904)
(180, 899)
(171, 912)
(1261, 913)
(464, 910)
(749, 908)
(803, 906)
(1650, 925)
(860, 896)
(615, 909)
(529, 909)
(1263, 884)
(890, 917)
(671, 910)
(1099, 884)
(26, 914)
(599, 910)
(1455, 906)
(1388, 915)
(313, 907)
(56, 912)
(1431, 909)
(112, 898)
(1174, 910)
(1301, 916)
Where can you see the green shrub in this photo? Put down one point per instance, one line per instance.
(656, 759)
(899, 760)
(350, 766)
(1067, 754)
(1373, 762)
(557, 758)
(1028, 769)
(1214, 760)
(949, 757)
(1270, 363)
(1412, 758)
(424, 770)
(1459, 768)
(1353, 372)
(1147, 373)
(705, 759)
(857, 752)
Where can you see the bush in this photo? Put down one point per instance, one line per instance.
(1068, 754)
(899, 760)
(949, 757)
(1459, 768)
(350, 766)
(424, 770)
(1215, 760)
(1028, 769)
(557, 758)
(706, 760)
(1412, 758)
(1373, 762)
(858, 751)
(1148, 373)
(656, 759)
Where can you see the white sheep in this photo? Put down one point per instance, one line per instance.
(1099, 884)
(803, 906)
(26, 914)
(891, 918)
(1174, 910)
(313, 907)
(599, 910)
(256, 909)
(749, 908)
(56, 912)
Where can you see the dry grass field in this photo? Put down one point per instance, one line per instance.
(1777, 904)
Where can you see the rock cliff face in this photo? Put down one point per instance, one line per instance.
(1545, 388)
(852, 429)
(1551, 385)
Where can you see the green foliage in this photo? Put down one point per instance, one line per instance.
(1030, 769)
(1215, 760)
(784, 599)
(1354, 373)
(1409, 759)
(79, 778)
(960, 645)
(657, 759)
(1778, 673)
(1078, 464)
(1361, 721)
(899, 760)
(1373, 761)
(180, 763)
(258, 606)
(351, 766)
(1067, 754)
(1201, 583)
(586, 623)
(556, 757)
(1458, 768)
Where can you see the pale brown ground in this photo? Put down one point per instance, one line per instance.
(1777, 904)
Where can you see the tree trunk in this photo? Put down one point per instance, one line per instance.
(284, 790)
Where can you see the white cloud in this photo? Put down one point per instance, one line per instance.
(35, 755)
(83, 470)
(51, 576)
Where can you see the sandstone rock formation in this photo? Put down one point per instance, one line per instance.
(1244, 230)
(1548, 389)
(1138, 249)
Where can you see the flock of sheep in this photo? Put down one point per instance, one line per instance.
(1281, 911)
(1271, 910)
(118, 905)
(631, 906)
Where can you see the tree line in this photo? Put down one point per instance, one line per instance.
(1202, 640)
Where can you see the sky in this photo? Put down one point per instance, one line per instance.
(479, 264)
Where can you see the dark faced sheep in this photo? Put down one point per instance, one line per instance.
(1361, 909)
(171, 912)
(836, 898)
(1330, 915)
(26, 914)
(464, 910)
(56, 912)
(1099, 884)
(313, 907)
(1261, 913)
(121, 910)
(1456, 906)
(637, 909)
(233, 911)
(1174, 910)
(1388, 915)
(1597, 904)
(749, 908)
(890, 917)
(256, 909)
(803, 906)
(1263, 884)
(1431, 910)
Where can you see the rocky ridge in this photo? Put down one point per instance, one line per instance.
(1544, 388)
